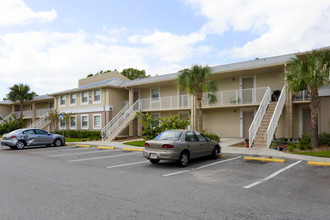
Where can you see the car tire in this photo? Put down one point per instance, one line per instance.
(183, 159)
(57, 142)
(154, 161)
(19, 145)
(215, 152)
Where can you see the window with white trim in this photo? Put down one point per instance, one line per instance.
(84, 122)
(73, 122)
(154, 94)
(84, 97)
(97, 96)
(62, 100)
(73, 99)
(97, 121)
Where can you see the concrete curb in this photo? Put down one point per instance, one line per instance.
(265, 159)
(316, 163)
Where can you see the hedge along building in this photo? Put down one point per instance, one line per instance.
(108, 102)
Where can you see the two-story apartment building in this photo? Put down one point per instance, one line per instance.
(245, 106)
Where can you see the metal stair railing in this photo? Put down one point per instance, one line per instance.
(118, 119)
(276, 117)
(259, 116)
(121, 121)
(8, 116)
(41, 122)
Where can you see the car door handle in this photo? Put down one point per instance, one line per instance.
(188, 145)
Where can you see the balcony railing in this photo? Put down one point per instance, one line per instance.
(41, 112)
(236, 97)
(302, 95)
(168, 102)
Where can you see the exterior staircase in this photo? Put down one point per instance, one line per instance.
(260, 140)
(120, 121)
(41, 123)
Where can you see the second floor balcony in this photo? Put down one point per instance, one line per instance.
(224, 98)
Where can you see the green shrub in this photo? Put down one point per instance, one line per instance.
(291, 147)
(211, 136)
(12, 124)
(305, 142)
(324, 138)
(151, 127)
(91, 135)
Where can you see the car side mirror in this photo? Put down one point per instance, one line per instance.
(208, 140)
(49, 134)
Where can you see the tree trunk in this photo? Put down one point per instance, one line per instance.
(314, 105)
(200, 116)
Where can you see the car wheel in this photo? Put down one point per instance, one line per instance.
(215, 152)
(183, 159)
(57, 142)
(20, 145)
(154, 161)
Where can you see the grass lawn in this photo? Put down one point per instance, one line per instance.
(315, 153)
(135, 143)
(75, 139)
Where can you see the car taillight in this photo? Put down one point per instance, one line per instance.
(168, 146)
(13, 136)
(146, 145)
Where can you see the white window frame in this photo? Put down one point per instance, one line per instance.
(73, 104)
(94, 121)
(95, 102)
(75, 118)
(82, 96)
(154, 99)
(60, 124)
(60, 101)
(81, 122)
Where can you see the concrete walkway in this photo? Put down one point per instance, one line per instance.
(225, 149)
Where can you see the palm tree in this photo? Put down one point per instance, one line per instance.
(196, 81)
(20, 93)
(310, 71)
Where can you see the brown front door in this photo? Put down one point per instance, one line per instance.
(247, 85)
(247, 120)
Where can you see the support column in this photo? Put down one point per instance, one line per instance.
(34, 112)
(131, 102)
(193, 109)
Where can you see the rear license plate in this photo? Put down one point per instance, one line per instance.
(153, 156)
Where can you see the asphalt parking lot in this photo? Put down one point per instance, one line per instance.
(87, 183)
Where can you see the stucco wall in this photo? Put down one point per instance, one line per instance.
(324, 117)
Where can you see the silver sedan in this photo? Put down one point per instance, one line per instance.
(181, 146)
(20, 138)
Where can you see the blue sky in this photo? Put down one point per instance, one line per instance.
(49, 45)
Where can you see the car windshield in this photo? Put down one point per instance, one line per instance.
(169, 135)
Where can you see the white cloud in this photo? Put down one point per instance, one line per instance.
(169, 47)
(15, 12)
(281, 26)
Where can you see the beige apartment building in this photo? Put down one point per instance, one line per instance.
(246, 104)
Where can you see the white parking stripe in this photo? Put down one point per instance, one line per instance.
(92, 152)
(60, 150)
(127, 164)
(222, 161)
(271, 176)
(201, 167)
(96, 158)
(171, 174)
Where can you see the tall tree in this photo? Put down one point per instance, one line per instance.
(134, 73)
(310, 71)
(196, 81)
(20, 93)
